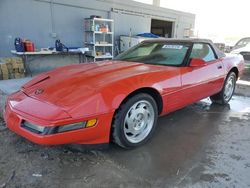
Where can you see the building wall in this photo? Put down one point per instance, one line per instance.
(43, 22)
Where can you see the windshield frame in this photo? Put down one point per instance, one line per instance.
(183, 63)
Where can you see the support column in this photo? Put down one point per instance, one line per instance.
(156, 3)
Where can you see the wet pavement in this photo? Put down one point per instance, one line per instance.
(202, 145)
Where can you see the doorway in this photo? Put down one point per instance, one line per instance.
(162, 28)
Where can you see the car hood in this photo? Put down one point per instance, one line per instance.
(67, 86)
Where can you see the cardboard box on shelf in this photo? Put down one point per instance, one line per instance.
(103, 42)
(98, 53)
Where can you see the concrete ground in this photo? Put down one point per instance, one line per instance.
(202, 145)
(13, 85)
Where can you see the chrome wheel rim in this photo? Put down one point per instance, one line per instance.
(229, 88)
(139, 121)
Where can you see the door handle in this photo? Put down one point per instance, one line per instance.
(219, 66)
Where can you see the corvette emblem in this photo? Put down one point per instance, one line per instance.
(39, 91)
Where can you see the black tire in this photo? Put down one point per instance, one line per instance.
(119, 124)
(220, 97)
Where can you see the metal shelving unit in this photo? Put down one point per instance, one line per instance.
(99, 38)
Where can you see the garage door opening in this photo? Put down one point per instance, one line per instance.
(162, 28)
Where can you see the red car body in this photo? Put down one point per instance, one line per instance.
(95, 90)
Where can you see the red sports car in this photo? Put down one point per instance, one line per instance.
(120, 100)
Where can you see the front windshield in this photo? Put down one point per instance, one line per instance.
(159, 53)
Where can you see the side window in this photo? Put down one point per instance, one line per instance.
(202, 51)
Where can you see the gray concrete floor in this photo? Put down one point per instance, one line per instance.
(202, 145)
(13, 85)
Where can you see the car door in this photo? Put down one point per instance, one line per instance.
(201, 82)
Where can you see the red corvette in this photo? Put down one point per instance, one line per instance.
(120, 100)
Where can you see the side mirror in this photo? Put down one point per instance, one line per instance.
(197, 63)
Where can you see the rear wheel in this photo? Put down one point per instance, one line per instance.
(225, 95)
(135, 121)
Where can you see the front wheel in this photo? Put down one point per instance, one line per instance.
(135, 121)
(225, 95)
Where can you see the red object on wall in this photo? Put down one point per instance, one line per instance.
(29, 46)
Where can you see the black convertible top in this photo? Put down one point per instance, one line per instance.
(218, 52)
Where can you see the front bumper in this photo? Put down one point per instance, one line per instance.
(97, 134)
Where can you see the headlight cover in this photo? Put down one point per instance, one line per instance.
(57, 129)
(71, 127)
(32, 127)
